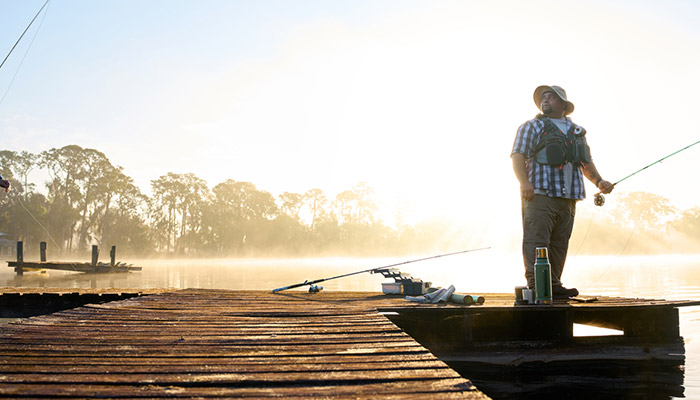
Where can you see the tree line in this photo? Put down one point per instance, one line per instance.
(90, 201)
(637, 223)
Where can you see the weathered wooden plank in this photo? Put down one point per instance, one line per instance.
(439, 388)
(185, 348)
(240, 328)
(206, 366)
(233, 378)
(332, 359)
(268, 337)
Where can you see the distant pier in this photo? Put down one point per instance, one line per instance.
(93, 267)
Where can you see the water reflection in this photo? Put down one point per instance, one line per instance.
(578, 380)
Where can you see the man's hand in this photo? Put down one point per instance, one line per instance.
(6, 184)
(527, 191)
(605, 187)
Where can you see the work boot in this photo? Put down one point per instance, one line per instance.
(560, 292)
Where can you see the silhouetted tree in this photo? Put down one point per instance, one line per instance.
(688, 222)
(650, 211)
(176, 210)
(242, 210)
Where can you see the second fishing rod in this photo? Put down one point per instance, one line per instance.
(372, 270)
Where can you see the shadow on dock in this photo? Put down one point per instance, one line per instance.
(602, 379)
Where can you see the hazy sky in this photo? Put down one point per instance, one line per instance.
(421, 99)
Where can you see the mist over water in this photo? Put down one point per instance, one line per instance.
(671, 277)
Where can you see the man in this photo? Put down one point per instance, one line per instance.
(550, 158)
(5, 184)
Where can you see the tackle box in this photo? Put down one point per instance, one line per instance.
(403, 283)
(392, 288)
(414, 287)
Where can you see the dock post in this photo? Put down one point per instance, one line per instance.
(42, 251)
(20, 258)
(95, 255)
(112, 255)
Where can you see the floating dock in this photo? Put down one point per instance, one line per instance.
(216, 343)
(98, 268)
(93, 267)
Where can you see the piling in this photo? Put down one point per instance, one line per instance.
(20, 258)
(95, 257)
(112, 255)
(42, 251)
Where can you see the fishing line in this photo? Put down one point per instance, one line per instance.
(42, 226)
(12, 81)
(22, 35)
(37, 221)
(599, 200)
(585, 235)
(629, 238)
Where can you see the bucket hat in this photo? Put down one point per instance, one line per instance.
(537, 96)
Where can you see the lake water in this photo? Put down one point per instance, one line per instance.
(671, 277)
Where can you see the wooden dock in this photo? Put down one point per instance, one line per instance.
(499, 333)
(31, 302)
(210, 343)
(215, 343)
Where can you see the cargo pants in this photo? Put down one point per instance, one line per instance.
(547, 222)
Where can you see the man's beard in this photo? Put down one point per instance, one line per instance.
(546, 109)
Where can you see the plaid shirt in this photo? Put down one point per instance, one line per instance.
(546, 179)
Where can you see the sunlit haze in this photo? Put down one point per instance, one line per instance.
(420, 99)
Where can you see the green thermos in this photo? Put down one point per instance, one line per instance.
(543, 277)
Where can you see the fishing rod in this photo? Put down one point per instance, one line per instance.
(372, 270)
(598, 198)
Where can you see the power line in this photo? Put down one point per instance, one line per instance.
(22, 35)
(12, 81)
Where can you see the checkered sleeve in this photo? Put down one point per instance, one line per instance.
(589, 149)
(525, 140)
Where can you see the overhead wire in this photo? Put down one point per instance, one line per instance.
(46, 3)
(27, 51)
(22, 35)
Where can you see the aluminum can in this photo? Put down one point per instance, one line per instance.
(519, 297)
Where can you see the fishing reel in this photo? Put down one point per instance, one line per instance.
(598, 200)
(315, 288)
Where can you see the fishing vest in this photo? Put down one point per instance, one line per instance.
(556, 148)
